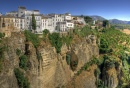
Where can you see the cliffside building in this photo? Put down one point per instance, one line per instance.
(52, 22)
(10, 24)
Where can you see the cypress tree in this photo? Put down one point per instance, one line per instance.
(33, 22)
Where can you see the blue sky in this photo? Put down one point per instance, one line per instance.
(109, 9)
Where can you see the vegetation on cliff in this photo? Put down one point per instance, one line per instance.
(22, 80)
(117, 43)
(23, 62)
(56, 41)
(32, 37)
(114, 53)
(113, 47)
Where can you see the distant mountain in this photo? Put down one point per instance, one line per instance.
(112, 21)
(128, 22)
(95, 17)
(116, 21)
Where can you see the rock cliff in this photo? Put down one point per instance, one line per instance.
(51, 70)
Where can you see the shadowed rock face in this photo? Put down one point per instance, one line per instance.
(110, 78)
(52, 70)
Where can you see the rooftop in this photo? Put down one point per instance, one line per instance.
(10, 16)
(36, 10)
(22, 7)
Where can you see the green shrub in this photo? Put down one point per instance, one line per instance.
(23, 62)
(67, 40)
(22, 80)
(2, 35)
(56, 41)
(104, 46)
(45, 32)
(18, 52)
(32, 37)
(97, 72)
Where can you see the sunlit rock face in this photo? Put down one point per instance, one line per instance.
(51, 70)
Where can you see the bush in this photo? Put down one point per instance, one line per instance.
(97, 72)
(23, 62)
(45, 32)
(2, 35)
(104, 46)
(22, 81)
(18, 52)
(56, 41)
(32, 37)
(68, 57)
(67, 39)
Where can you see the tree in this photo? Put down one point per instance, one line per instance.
(45, 32)
(23, 62)
(33, 22)
(104, 46)
(88, 19)
(105, 23)
(23, 82)
(32, 37)
(56, 41)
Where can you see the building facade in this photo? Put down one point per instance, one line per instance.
(52, 22)
(9, 24)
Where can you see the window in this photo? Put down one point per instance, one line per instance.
(28, 18)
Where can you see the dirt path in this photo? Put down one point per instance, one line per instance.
(127, 31)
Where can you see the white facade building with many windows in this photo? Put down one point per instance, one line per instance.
(52, 22)
(64, 26)
(55, 21)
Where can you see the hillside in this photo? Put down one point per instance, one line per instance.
(82, 59)
(112, 21)
(95, 17)
(116, 21)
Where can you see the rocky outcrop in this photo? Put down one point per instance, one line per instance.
(85, 50)
(85, 80)
(110, 78)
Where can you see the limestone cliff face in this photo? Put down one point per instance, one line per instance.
(11, 61)
(112, 75)
(85, 50)
(110, 78)
(51, 70)
(85, 80)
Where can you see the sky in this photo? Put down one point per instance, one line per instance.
(109, 9)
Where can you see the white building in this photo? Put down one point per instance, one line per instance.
(50, 21)
(0, 14)
(64, 26)
(27, 14)
(13, 13)
(53, 22)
